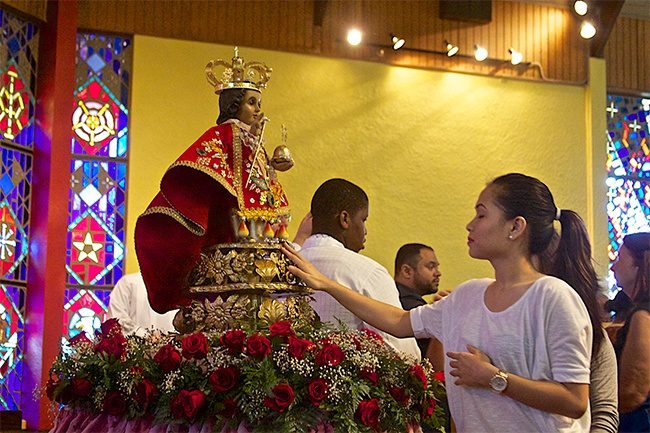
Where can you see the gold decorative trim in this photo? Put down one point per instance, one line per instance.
(266, 214)
(246, 245)
(180, 218)
(237, 166)
(268, 288)
(205, 170)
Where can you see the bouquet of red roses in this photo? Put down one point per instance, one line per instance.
(282, 377)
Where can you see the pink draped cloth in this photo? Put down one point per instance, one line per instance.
(76, 421)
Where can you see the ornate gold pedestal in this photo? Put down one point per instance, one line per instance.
(236, 284)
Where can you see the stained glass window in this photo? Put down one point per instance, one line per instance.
(18, 61)
(628, 167)
(97, 207)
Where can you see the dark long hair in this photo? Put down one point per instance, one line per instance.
(639, 245)
(566, 256)
(229, 103)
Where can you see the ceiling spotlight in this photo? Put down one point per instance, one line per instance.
(580, 7)
(354, 36)
(480, 53)
(515, 56)
(397, 42)
(452, 49)
(587, 30)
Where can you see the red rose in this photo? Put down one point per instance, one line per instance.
(114, 345)
(281, 328)
(368, 412)
(81, 387)
(400, 395)
(80, 338)
(111, 326)
(418, 372)
(258, 346)
(439, 376)
(370, 376)
(318, 389)
(224, 379)
(144, 393)
(283, 396)
(372, 334)
(114, 403)
(234, 341)
(229, 408)
(168, 358)
(195, 346)
(187, 404)
(330, 354)
(298, 347)
(55, 391)
(429, 407)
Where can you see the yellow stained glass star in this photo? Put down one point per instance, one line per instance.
(88, 248)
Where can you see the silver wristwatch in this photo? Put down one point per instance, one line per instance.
(499, 381)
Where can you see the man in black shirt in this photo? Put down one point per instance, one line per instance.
(416, 275)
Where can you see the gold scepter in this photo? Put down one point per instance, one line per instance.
(258, 146)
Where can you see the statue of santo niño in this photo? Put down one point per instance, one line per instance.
(215, 226)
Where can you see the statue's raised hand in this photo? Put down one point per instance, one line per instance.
(258, 123)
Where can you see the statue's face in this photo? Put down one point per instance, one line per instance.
(251, 106)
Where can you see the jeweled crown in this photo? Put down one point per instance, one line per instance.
(237, 74)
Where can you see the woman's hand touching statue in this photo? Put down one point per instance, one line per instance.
(307, 272)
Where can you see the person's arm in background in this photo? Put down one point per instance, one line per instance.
(122, 298)
(634, 368)
(436, 354)
(603, 390)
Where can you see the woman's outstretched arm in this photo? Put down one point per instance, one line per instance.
(385, 317)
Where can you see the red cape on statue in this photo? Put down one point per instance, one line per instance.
(193, 209)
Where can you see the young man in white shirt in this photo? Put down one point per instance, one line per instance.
(339, 209)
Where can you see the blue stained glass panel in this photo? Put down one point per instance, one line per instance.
(15, 198)
(17, 79)
(84, 311)
(97, 199)
(12, 345)
(105, 60)
(628, 166)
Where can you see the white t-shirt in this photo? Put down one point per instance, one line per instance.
(545, 335)
(359, 273)
(129, 303)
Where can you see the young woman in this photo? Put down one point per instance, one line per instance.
(603, 384)
(632, 271)
(519, 345)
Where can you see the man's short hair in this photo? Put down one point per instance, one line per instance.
(409, 254)
(334, 196)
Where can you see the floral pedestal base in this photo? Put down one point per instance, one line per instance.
(274, 375)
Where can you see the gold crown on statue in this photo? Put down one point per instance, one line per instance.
(237, 75)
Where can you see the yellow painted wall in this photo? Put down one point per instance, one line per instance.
(421, 143)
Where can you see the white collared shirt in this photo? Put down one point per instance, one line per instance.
(360, 274)
(129, 303)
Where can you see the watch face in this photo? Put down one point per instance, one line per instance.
(498, 383)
